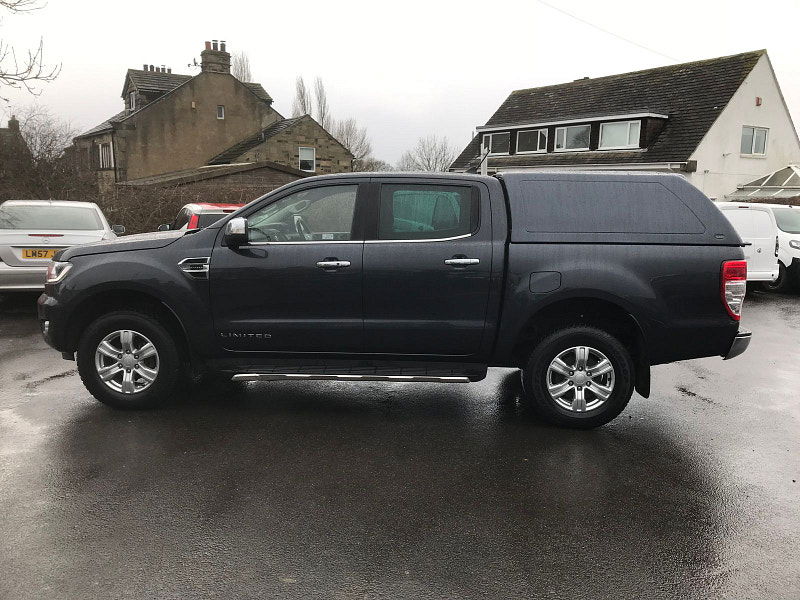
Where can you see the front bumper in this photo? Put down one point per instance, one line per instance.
(51, 322)
(21, 279)
(739, 344)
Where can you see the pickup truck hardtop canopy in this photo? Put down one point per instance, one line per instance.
(612, 207)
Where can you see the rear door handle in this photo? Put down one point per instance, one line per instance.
(333, 263)
(462, 262)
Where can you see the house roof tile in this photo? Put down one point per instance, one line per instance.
(691, 94)
(235, 151)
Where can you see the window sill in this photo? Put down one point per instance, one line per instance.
(761, 156)
(531, 152)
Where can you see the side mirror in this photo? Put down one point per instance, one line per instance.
(164, 227)
(236, 232)
(118, 229)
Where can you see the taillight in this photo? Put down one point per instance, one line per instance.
(733, 286)
(193, 222)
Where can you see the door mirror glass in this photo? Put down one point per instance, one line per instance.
(236, 232)
(118, 229)
(164, 227)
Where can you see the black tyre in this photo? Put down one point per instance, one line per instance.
(579, 377)
(783, 284)
(129, 360)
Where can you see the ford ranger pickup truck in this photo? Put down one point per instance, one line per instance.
(580, 280)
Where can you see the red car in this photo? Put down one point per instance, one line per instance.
(197, 216)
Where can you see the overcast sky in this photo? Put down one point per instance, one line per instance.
(403, 69)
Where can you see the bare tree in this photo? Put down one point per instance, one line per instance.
(355, 139)
(22, 71)
(302, 99)
(430, 154)
(323, 114)
(370, 164)
(240, 67)
(46, 134)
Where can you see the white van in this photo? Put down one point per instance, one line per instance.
(755, 224)
(788, 221)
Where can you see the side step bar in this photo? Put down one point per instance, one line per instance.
(329, 377)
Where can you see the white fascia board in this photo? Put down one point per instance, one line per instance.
(657, 166)
(488, 128)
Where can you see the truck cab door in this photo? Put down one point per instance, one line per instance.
(427, 267)
(296, 285)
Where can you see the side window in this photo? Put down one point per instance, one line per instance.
(419, 212)
(182, 220)
(313, 215)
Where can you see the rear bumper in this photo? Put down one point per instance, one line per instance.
(739, 344)
(21, 279)
(763, 275)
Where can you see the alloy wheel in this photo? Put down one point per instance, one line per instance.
(126, 361)
(580, 379)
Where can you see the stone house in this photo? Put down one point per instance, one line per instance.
(172, 124)
(719, 123)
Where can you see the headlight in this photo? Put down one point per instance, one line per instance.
(56, 271)
(795, 244)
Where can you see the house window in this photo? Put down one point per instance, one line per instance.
(308, 159)
(105, 155)
(220, 111)
(622, 134)
(497, 143)
(754, 140)
(132, 101)
(575, 137)
(534, 140)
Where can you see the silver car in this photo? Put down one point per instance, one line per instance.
(32, 231)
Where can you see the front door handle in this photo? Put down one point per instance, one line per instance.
(333, 263)
(462, 262)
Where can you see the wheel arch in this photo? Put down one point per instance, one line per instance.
(608, 314)
(101, 302)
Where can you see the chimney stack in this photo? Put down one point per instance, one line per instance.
(215, 58)
(13, 124)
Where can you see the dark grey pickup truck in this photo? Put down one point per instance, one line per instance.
(581, 280)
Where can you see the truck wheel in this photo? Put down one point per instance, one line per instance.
(129, 360)
(579, 377)
(783, 284)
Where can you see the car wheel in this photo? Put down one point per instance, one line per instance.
(129, 360)
(579, 377)
(783, 283)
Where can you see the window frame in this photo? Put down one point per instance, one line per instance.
(132, 101)
(490, 136)
(475, 211)
(220, 113)
(564, 128)
(752, 154)
(100, 162)
(628, 136)
(313, 160)
(356, 228)
(538, 131)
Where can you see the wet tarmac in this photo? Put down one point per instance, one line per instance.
(339, 490)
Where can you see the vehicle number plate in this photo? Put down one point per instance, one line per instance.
(39, 252)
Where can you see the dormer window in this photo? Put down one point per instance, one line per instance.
(619, 135)
(532, 140)
(497, 143)
(575, 137)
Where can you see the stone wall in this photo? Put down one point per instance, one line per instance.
(284, 148)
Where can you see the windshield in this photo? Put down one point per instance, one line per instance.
(47, 217)
(788, 219)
